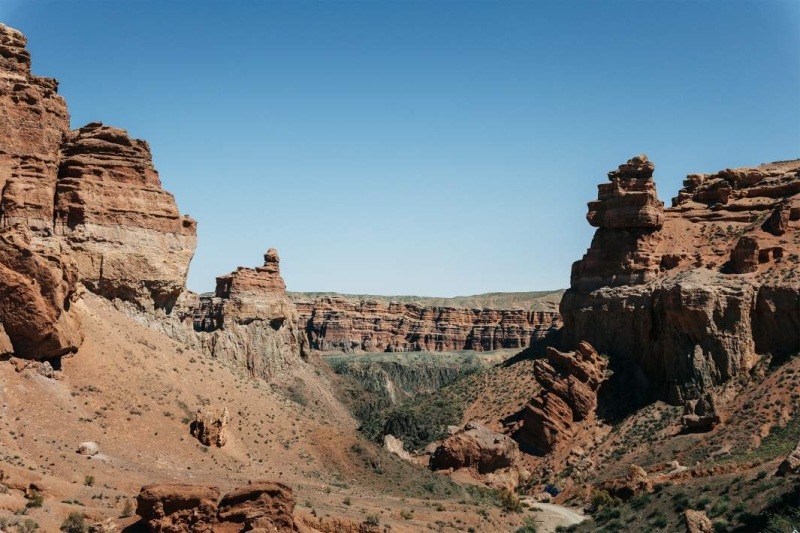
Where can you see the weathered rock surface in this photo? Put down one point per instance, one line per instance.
(125, 232)
(701, 414)
(36, 290)
(82, 207)
(249, 321)
(339, 324)
(570, 383)
(791, 465)
(697, 522)
(634, 483)
(179, 508)
(210, 427)
(33, 123)
(659, 294)
(476, 447)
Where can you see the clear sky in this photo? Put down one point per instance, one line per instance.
(419, 147)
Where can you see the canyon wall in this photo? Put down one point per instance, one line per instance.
(338, 324)
(82, 207)
(695, 294)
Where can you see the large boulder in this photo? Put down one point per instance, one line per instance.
(261, 504)
(697, 522)
(182, 508)
(701, 414)
(791, 465)
(475, 447)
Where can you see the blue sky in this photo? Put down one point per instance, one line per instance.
(407, 147)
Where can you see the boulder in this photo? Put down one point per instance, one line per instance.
(210, 427)
(634, 483)
(701, 414)
(88, 448)
(791, 465)
(476, 447)
(177, 507)
(697, 522)
(261, 504)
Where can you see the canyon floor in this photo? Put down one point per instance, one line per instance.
(134, 391)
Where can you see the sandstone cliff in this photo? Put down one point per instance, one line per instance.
(690, 295)
(76, 207)
(338, 324)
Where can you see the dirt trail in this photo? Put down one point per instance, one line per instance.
(552, 516)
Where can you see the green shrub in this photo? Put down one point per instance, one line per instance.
(74, 523)
(35, 499)
(509, 501)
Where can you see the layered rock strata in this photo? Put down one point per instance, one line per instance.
(127, 237)
(248, 321)
(338, 324)
(691, 295)
(86, 206)
(569, 388)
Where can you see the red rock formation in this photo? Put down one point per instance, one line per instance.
(477, 447)
(92, 194)
(659, 293)
(570, 382)
(249, 320)
(36, 290)
(179, 508)
(125, 232)
(210, 427)
(33, 123)
(338, 324)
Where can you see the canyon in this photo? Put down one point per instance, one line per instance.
(668, 370)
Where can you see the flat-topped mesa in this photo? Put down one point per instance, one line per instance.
(629, 200)
(127, 236)
(33, 122)
(340, 324)
(695, 298)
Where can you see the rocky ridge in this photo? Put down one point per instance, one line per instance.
(339, 324)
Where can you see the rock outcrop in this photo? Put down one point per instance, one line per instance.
(689, 296)
(634, 483)
(339, 324)
(701, 414)
(697, 522)
(75, 207)
(791, 465)
(124, 231)
(477, 447)
(249, 321)
(178, 508)
(36, 290)
(570, 384)
(210, 427)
